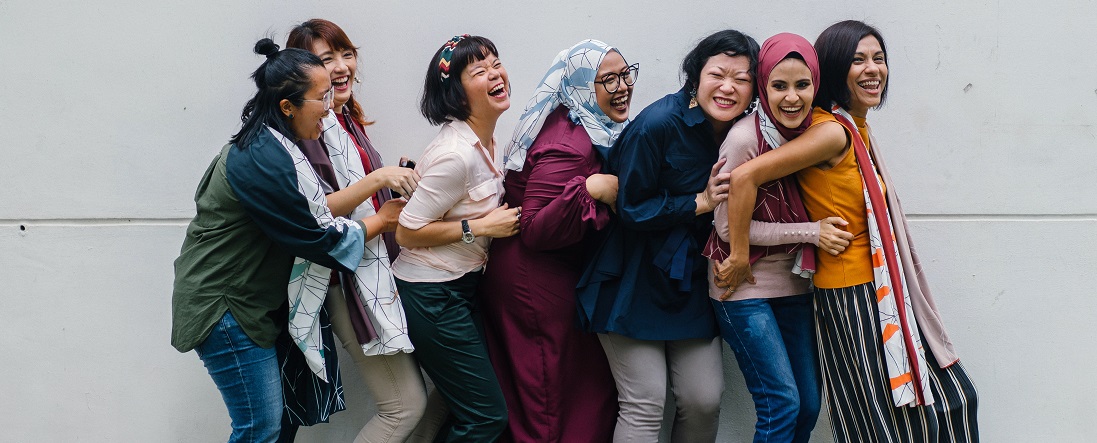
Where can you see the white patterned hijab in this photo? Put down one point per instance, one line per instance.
(570, 82)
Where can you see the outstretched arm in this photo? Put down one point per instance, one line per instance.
(399, 179)
(823, 143)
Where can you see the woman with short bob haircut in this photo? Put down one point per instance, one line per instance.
(872, 301)
(259, 204)
(446, 228)
(646, 292)
(362, 309)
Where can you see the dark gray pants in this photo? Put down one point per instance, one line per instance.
(445, 328)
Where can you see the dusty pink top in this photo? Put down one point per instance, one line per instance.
(458, 181)
(772, 273)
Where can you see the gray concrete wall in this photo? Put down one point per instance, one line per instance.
(111, 110)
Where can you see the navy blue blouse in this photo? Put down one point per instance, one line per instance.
(647, 279)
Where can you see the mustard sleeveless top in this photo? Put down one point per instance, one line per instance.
(837, 192)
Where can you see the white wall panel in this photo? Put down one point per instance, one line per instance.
(1017, 296)
(87, 312)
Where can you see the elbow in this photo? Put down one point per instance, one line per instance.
(336, 207)
(743, 179)
(634, 212)
(405, 237)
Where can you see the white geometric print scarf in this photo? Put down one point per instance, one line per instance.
(569, 81)
(898, 326)
(804, 265)
(308, 284)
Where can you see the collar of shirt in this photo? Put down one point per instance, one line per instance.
(690, 116)
(465, 131)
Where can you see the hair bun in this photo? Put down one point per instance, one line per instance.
(266, 47)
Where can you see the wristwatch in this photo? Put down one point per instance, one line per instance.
(466, 233)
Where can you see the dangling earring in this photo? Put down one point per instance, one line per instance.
(752, 106)
(356, 80)
(693, 98)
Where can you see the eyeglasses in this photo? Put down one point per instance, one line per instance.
(612, 81)
(329, 97)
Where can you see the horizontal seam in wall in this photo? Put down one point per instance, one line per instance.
(96, 222)
(911, 217)
(1001, 217)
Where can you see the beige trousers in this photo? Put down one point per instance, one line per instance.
(394, 381)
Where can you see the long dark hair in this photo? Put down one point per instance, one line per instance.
(284, 75)
(303, 36)
(836, 46)
(443, 100)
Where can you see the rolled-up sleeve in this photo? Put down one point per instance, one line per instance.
(442, 184)
(265, 181)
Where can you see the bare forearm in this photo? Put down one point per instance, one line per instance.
(343, 201)
(741, 199)
(375, 225)
(434, 234)
(821, 144)
(816, 146)
(500, 222)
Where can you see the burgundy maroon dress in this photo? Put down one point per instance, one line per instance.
(555, 377)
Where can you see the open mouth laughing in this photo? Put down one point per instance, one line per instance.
(726, 103)
(620, 103)
(791, 111)
(871, 86)
(341, 83)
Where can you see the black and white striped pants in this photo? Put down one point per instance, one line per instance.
(856, 386)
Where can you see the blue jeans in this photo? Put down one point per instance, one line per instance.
(247, 376)
(774, 343)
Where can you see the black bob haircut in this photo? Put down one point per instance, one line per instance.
(283, 76)
(443, 101)
(836, 46)
(728, 42)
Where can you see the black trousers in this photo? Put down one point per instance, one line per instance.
(856, 385)
(444, 325)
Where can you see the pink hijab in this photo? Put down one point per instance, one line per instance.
(775, 50)
(779, 200)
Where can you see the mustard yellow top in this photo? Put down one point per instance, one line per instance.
(837, 192)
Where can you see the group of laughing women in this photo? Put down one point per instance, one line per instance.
(621, 250)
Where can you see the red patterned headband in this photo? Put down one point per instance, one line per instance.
(447, 55)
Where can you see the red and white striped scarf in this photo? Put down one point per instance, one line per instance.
(899, 329)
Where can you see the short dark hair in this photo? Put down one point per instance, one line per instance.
(284, 75)
(836, 46)
(728, 42)
(445, 100)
